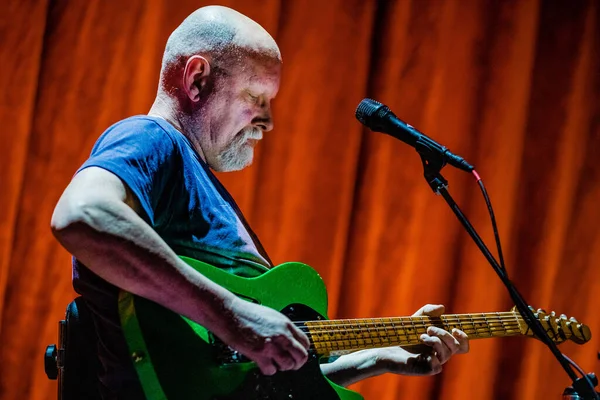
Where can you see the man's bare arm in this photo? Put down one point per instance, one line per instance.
(96, 219)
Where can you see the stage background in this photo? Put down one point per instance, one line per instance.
(513, 86)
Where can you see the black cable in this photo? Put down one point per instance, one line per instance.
(577, 367)
(503, 268)
(583, 374)
(488, 202)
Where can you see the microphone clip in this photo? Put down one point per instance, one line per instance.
(432, 167)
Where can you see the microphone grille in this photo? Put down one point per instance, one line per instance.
(366, 109)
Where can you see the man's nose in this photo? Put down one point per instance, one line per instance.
(265, 121)
(267, 125)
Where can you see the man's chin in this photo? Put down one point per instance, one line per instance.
(242, 160)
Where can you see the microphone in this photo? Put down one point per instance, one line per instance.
(379, 118)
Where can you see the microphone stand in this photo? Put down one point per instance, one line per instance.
(433, 162)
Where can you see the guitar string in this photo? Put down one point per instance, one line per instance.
(345, 335)
(345, 327)
(377, 342)
(407, 323)
(331, 332)
(318, 335)
(493, 325)
(403, 323)
(501, 316)
(410, 320)
(513, 327)
(328, 345)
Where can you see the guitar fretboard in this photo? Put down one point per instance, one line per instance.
(336, 337)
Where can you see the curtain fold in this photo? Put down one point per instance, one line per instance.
(513, 86)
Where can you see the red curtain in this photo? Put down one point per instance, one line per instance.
(513, 86)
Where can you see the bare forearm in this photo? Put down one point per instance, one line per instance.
(351, 368)
(117, 245)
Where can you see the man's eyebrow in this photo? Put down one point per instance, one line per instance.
(256, 78)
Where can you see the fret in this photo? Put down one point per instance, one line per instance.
(385, 336)
(395, 331)
(346, 334)
(460, 324)
(411, 334)
(351, 332)
(387, 327)
(411, 326)
(358, 335)
(483, 329)
(414, 332)
(353, 342)
(403, 330)
(447, 325)
(374, 336)
(417, 323)
(501, 321)
(451, 325)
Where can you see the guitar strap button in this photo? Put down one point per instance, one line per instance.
(138, 356)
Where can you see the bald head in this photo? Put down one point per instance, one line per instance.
(220, 72)
(222, 35)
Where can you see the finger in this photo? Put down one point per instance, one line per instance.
(292, 351)
(266, 366)
(463, 339)
(430, 310)
(422, 364)
(283, 353)
(301, 337)
(279, 367)
(299, 353)
(447, 338)
(442, 352)
(436, 365)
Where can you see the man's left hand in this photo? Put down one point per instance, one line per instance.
(426, 359)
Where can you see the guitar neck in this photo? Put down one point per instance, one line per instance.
(342, 336)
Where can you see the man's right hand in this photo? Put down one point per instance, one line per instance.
(265, 336)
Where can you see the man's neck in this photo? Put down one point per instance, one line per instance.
(162, 109)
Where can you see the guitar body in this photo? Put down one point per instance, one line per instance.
(177, 359)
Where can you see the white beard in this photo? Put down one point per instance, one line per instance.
(238, 155)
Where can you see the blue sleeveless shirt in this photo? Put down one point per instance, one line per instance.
(183, 201)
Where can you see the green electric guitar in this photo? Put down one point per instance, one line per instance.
(177, 359)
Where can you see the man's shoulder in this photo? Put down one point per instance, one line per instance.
(138, 123)
(142, 128)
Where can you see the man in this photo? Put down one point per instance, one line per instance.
(147, 194)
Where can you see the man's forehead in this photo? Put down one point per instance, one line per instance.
(259, 72)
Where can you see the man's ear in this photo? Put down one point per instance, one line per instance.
(195, 74)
